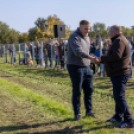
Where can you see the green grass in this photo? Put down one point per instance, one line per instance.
(35, 100)
(43, 101)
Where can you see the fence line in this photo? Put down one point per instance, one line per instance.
(50, 54)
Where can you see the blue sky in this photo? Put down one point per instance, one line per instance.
(21, 14)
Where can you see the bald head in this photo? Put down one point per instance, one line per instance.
(115, 30)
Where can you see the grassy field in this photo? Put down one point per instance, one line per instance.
(38, 101)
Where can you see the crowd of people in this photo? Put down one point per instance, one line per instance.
(44, 55)
(105, 45)
(55, 51)
(95, 50)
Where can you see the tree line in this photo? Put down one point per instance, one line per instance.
(44, 30)
(100, 28)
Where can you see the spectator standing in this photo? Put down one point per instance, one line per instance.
(37, 49)
(31, 49)
(49, 50)
(56, 54)
(45, 50)
(97, 53)
(12, 51)
(24, 52)
(92, 47)
(62, 57)
(41, 56)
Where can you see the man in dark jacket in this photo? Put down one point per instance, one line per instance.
(117, 65)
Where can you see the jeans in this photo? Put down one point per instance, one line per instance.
(14, 59)
(81, 77)
(56, 60)
(41, 62)
(119, 88)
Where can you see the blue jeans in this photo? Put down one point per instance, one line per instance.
(81, 77)
(119, 88)
(14, 59)
(41, 63)
(56, 60)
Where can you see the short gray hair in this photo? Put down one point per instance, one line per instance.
(117, 28)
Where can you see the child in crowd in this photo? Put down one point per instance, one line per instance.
(28, 58)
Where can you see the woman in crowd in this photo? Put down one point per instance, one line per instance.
(45, 55)
(97, 52)
(41, 56)
(92, 52)
(56, 54)
(62, 57)
(37, 48)
(24, 52)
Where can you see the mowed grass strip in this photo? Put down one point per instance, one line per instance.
(21, 115)
(28, 95)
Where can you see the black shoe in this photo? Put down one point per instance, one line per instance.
(77, 117)
(125, 125)
(91, 115)
(113, 119)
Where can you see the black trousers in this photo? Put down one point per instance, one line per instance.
(119, 88)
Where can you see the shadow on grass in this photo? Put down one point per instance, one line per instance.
(13, 128)
(72, 130)
(6, 76)
(66, 130)
(42, 72)
(103, 86)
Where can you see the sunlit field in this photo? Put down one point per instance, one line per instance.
(38, 101)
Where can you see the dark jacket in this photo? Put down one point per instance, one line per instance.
(92, 48)
(50, 50)
(12, 51)
(30, 49)
(36, 50)
(117, 60)
(132, 43)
